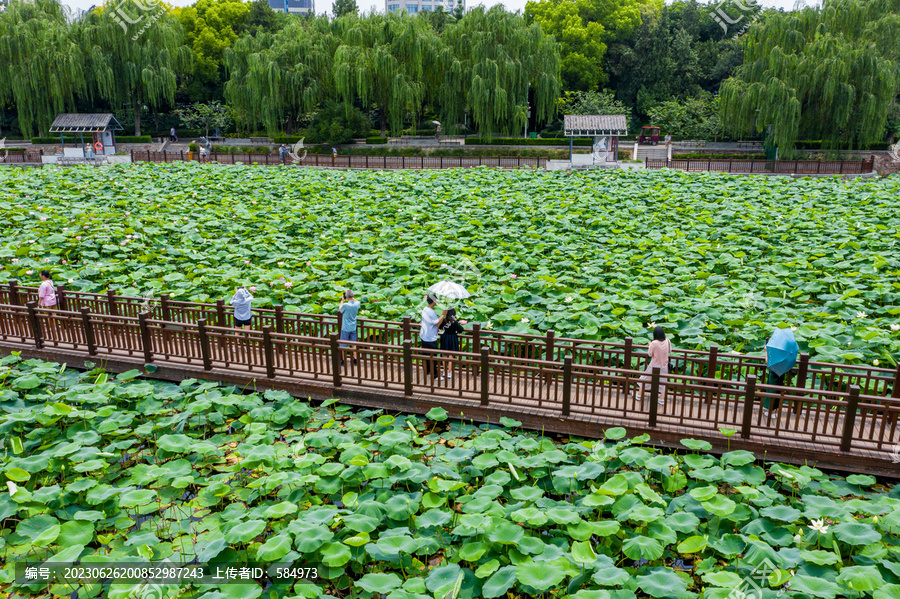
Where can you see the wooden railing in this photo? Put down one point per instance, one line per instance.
(807, 374)
(836, 421)
(26, 157)
(346, 161)
(803, 167)
(836, 407)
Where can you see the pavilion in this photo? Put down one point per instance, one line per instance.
(100, 127)
(605, 131)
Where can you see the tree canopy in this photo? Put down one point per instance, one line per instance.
(827, 73)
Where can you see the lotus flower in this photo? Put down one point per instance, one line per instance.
(525, 321)
(281, 264)
(252, 288)
(860, 314)
(288, 284)
(818, 526)
(29, 272)
(489, 325)
(569, 299)
(513, 276)
(895, 327)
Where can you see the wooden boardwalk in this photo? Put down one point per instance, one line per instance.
(831, 415)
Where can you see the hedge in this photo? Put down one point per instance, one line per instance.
(518, 141)
(122, 139)
(376, 140)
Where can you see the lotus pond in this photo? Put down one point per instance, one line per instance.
(715, 258)
(107, 468)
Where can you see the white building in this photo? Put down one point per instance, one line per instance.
(417, 6)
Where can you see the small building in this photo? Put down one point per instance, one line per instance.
(301, 7)
(100, 130)
(605, 131)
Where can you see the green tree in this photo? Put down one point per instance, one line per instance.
(130, 69)
(827, 73)
(603, 102)
(493, 66)
(693, 118)
(209, 115)
(211, 27)
(274, 78)
(345, 7)
(385, 61)
(332, 124)
(584, 28)
(41, 63)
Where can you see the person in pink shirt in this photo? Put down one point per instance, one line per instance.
(46, 292)
(659, 349)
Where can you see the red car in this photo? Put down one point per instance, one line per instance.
(649, 135)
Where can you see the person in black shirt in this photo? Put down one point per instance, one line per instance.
(450, 330)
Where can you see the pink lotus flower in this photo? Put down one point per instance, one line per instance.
(43, 218)
(64, 262)
(246, 262)
(29, 272)
(513, 276)
(15, 259)
(288, 284)
(127, 214)
(281, 264)
(252, 288)
(78, 237)
(308, 263)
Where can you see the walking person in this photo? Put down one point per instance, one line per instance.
(282, 153)
(349, 308)
(46, 292)
(172, 135)
(450, 330)
(659, 350)
(429, 333)
(242, 301)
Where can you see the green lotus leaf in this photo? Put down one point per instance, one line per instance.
(641, 547)
(815, 587)
(860, 578)
(661, 584)
(244, 532)
(499, 583)
(538, 575)
(856, 533)
(378, 583)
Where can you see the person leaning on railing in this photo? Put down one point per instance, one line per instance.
(46, 292)
(429, 333)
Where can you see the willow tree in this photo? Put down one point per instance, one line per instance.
(385, 61)
(275, 77)
(130, 68)
(41, 63)
(827, 73)
(491, 60)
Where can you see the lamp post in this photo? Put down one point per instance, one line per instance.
(527, 110)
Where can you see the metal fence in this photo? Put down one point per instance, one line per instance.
(803, 167)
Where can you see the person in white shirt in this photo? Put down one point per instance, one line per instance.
(429, 332)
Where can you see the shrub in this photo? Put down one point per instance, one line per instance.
(193, 147)
(517, 141)
(376, 140)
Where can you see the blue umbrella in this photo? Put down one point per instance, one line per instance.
(782, 350)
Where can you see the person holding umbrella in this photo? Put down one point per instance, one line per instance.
(429, 332)
(781, 355)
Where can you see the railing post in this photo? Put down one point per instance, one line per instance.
(549, 349)
(407, 367)
(204, 344)
(749, 398)
(802, 374)
(850, 418)
(654, 396)
(88, 331)
(627, 366)
(61, 302)
(335, 359)
(14, 292)
(567, 385)
(407, 328)
(220, 313)
(164, 306)
(711, 368)
(279, 318)
(35, 324)
(485, 375)
(269, 350)
(340, 321)
(111, 302)
(145, 337)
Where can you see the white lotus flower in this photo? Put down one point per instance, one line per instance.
(525, 320)
(12, 487)
(818, 526)
(895, 327)
(569, 299)
(860, 314)
(875, 362)
(489, 325)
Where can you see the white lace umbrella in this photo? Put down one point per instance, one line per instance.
(449, 290)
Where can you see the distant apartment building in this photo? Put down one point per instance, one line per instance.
(417, 6)
(302, 7)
